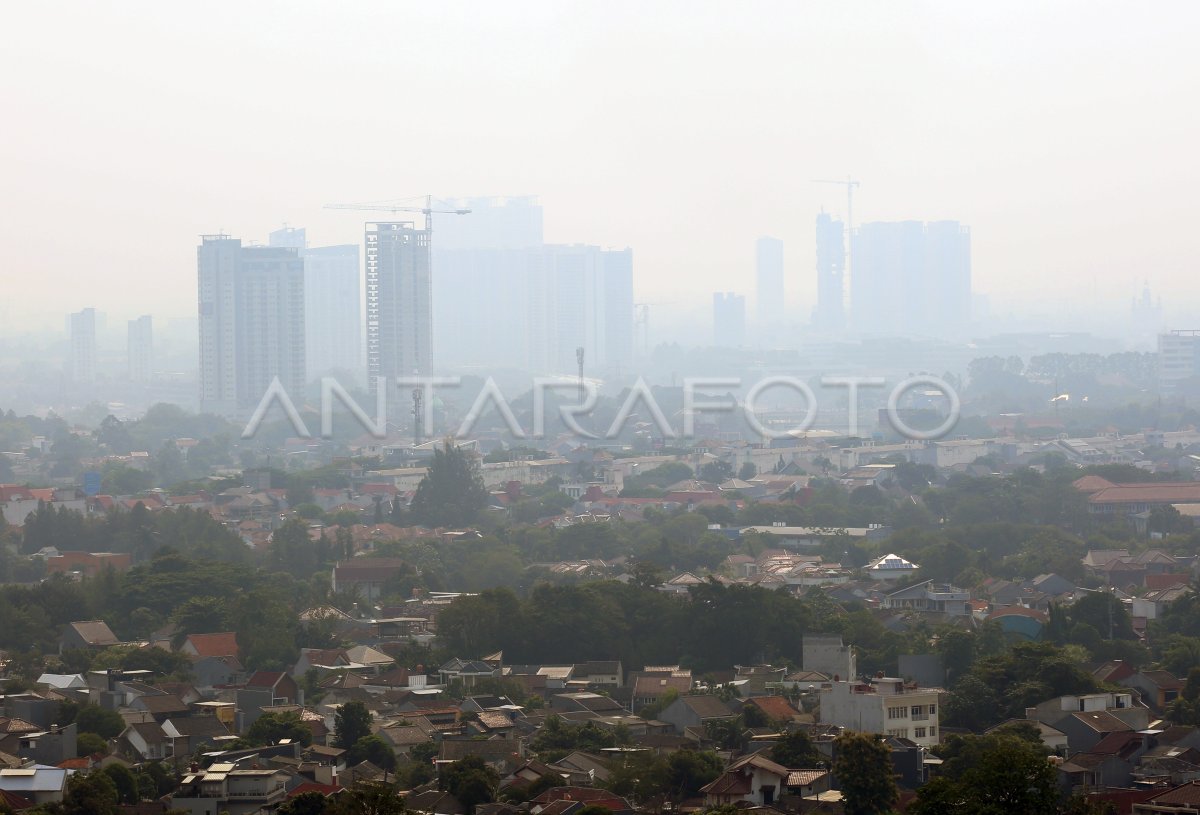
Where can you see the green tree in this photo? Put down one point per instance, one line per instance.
(452, 492)
(91, 793)
(269, 728)
(105, 723)
(307, 803)
(863, 767)
(796, 751)
(471, 781)
(351, 722)
(124, 781)
(88, 744)
(714, 472)
(369, 798)
(991, 775)
(372, 749)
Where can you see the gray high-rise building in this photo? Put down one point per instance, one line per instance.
(911, 278)
(139, 347)
(251, 314)
(332, 310)
(81, 361)
(729, 320)
(399, 305)
(483, 263)
(580, 296)
(830, 313)
(332, 305)
(770, 301)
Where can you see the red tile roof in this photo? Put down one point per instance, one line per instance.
(776, 707)
(1154, 492)
(1183, 794)
(223, 644)
(310, 786)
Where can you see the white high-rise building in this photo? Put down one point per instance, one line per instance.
(251, 314)
(399, 306)
(82, 358)
(139, 348)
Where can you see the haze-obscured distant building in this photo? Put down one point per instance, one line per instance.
(830, 312)
(251, 310)
(332, 304)
(139, 348)
(502, 298)
(81, 360)
(911, 278)
(729, 320)
(483, 263)
(770, 301)
(1178, 358)
(581, 296)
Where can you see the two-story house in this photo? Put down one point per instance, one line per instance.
(886, 706)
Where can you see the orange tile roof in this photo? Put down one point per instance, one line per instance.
(223, 644)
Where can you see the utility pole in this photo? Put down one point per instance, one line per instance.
(579, 359)
(418, 410)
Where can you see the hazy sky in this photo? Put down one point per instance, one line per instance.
(1065, 134)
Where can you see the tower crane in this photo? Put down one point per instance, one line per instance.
(398, 205)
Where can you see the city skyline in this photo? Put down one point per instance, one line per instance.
(1030, 123)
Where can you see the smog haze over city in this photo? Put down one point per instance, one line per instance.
(579, 408)
(1060, 133)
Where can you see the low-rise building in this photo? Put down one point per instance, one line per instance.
(224, 788)
(885, 705)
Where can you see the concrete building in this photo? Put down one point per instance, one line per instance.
(399, 304)
(770, 301)
(580, 296)
(830, 312)
(883, 706)
(1178, 358)
(139, 348)
(483, 262)
(827, 654)
(251, 308)
(332, 304)
(930, 597)
(911, 278)
(729, 320)
(81, 360)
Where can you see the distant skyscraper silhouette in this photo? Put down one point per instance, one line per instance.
(770, 304)
(140, 349)
(729, 320)
(82, 359)
(830, 312)
(332, 304)
(911, 278)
